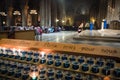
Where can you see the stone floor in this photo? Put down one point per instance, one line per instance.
(101, 33)
(67, 37)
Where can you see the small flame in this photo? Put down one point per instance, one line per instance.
(42, 53)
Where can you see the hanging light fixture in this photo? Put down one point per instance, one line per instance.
(16, 13)
(33, 12)
(3, 14)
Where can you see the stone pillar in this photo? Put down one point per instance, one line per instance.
(45, 11)
(53, 13)
(24, 15)
(102, 11)
(9, 12)
(42, 13)
(9, 16)
(24, 8)
(49, 13)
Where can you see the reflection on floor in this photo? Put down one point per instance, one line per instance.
(67, 37)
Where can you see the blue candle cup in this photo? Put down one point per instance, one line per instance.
(25, 76)
(5, 55)
(49, 62)
(20, 66)
(75, 65)
(90, 61)
(30, 53)
(42, 60)
(106, 71)
(57, 63)
(10, 72)
(95, 69)
(36, 59)
(57, 56)
(68, 77)
(10, 54)
(18, 74)
(50, 72)
(1, 54)
(78, 77)
(64, 57)
(14, 65)
(51, 78)
(85, 67)
(89, 77)
(110, 64)
(59, 74)
(24, 53)
(29, 58)
(49, 56)
(2, 62)
(27, 68)
(22, 58)
(36, 54)
(66, 64)
(42, 77)
(81, 60)
(116, 72)
(100, 63)
(42, 71)
(4, 70)
(17, 57)
(72, 58)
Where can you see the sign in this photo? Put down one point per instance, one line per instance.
(77, 48)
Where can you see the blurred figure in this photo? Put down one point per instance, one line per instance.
(80, 28)
(11, 33)
(38, 33)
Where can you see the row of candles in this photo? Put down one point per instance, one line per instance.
(26, 71)
(81, 63)
(58, 58)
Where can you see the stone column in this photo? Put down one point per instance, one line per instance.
(102, 11)
(45, 11)
(42, 13)
(24, 7)
(9, 16)
(24, 15)
(49, 13)
(53, 13)
(9, 12)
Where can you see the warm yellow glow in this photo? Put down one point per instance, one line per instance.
(3, 22)
(42, 54)
(16, 13)
(63, 21)
(57, 20)
(106, 78)
(33, 75)
(33, 12)
(92, 20)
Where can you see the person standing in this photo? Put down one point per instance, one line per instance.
(11, 33)
(38, 33)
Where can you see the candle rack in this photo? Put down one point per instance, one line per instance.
(26, 60)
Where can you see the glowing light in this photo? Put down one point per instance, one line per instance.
(34, 75)
(63, 21)
(106, 78)
(42, 54)
(3, 14)
(16, 13)
(4, 52)
(33, 12)
(3, 22)
(93, 20)
(57, 20)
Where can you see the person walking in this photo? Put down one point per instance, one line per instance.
(38, 33)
